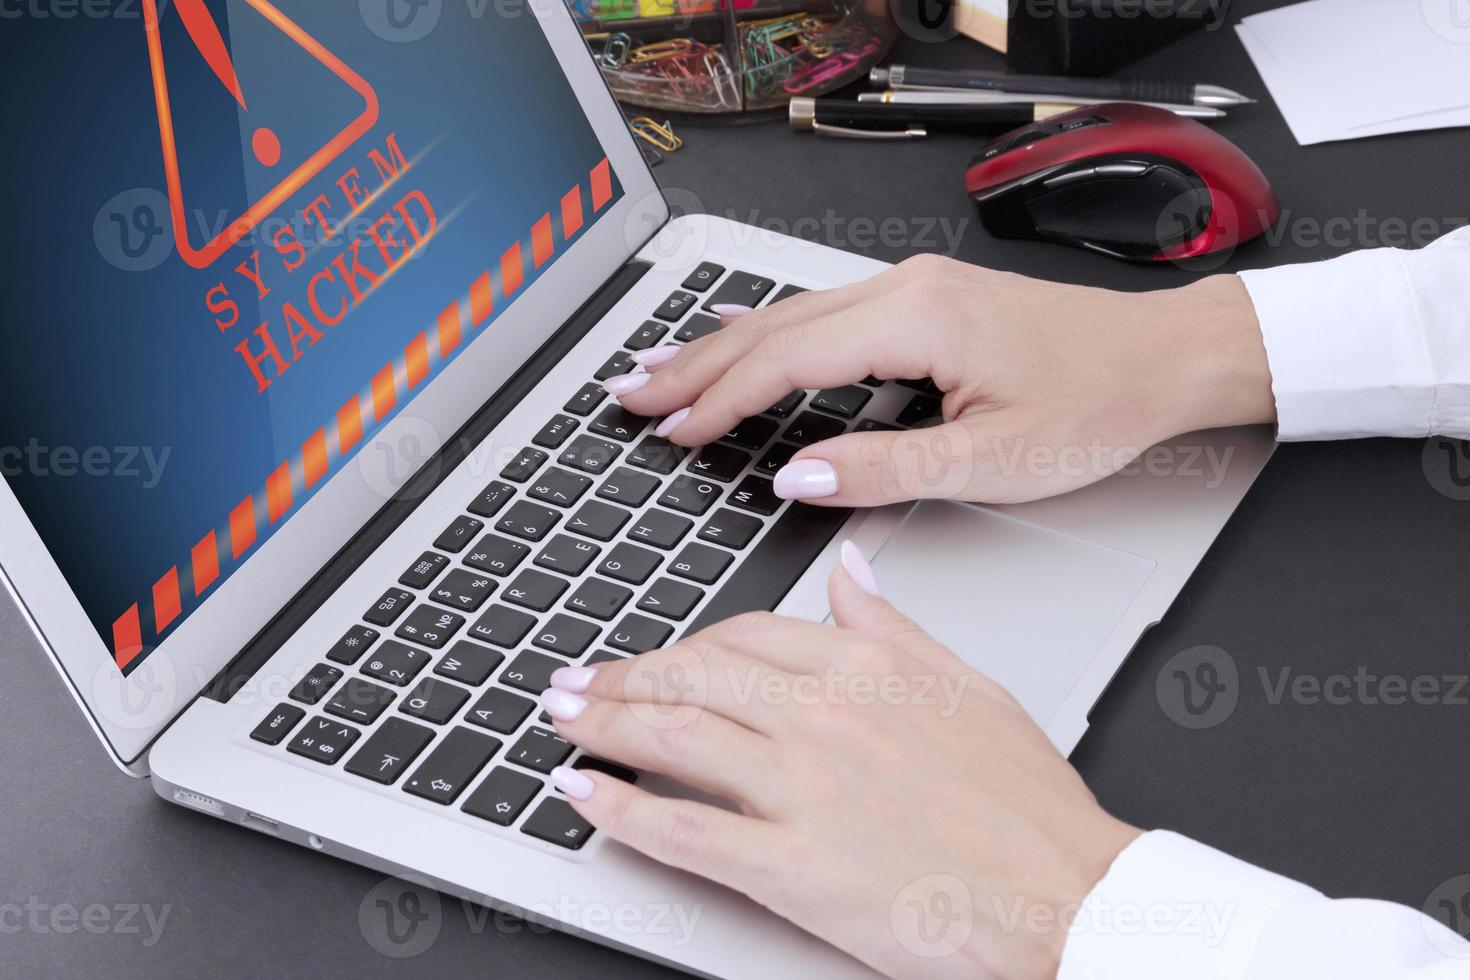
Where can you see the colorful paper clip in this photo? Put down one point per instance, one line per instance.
(661, 136)
(615, 51)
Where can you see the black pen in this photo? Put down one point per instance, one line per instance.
(1120, 89)
(880, 121)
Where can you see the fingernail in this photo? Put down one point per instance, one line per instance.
(656, 356)
(625, 384)
(562, 705)
(806, 479)
(668, 425)
(571, 782)
(857, 566)
(731, 310)
(574, 679)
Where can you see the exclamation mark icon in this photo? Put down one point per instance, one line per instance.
(205, 34)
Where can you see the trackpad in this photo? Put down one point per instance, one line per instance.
(1027, 606)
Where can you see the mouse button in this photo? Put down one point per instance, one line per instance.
(1070, 177)
(1086, 122)
(1123, 168)
(1030, 136)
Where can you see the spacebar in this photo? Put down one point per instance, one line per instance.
(782, 556)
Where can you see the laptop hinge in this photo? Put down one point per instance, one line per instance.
(264, 644)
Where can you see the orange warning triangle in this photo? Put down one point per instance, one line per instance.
(205, 35)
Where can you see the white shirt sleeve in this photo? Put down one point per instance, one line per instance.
(1172, 908)
(1373, 343)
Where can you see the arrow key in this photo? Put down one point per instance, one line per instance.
(502, 796)
(451, 766)
(389, 751)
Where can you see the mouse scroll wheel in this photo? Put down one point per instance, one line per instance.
(1122, 168)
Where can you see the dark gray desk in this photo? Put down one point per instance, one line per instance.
(1343, 558)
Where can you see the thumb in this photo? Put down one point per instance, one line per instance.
(852, 591)
(869, 469)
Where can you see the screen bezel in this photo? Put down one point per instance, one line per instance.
(128, 713)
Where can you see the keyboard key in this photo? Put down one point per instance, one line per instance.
(555, 822)
(501, 711)
(616, 422)
(701, 563)
(430, 626)
(353, 645)
(434, 700)
(619, 363)
(530, 672)
(873, 425)
(278, 724)
(843, 402)
(491, 499)
(314, 686)
(752, 433)
(555, 432)
(630, 563)
(926, 385)
(599, 599)
(590, 455)
(528, 520)
(639, 634)
(449, 768)
(539, 749)
(423, 572)
(389, 751)
(657, 454)
(586, 400)
(457, 536)
(604, 657)
(674, 307)
(922, 409)
(524, 466)
(731, 529)
(497, 555)
(716, 462)
(559, 486)
(502, 626)
(360, 701)
(786, 292)
(646, 336)
(324, 740)
(469, 662)
(568, 555)
(757, 494)
(566, 635)
(628, 487)
(742, 288)
(699, 325)
(783, 408)
(502, 796)
(809, 427)
(598, 520)
(871, 382)
(660, 529)
(388, 608)
(705, 275)
(463, 589)
(690, 495)
(535, 590)
(670, 599)
(608, 768)
(776, 457)
(397, 663)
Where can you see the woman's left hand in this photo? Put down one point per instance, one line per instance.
(891, 800)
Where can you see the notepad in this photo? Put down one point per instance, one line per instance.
(1348, 69)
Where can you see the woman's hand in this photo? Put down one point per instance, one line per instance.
(891, 800)
(1047, 387)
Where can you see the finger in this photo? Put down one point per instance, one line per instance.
(792, 646)
(734, 850)
(696, 747)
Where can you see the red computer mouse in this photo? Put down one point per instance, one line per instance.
(1126, 180)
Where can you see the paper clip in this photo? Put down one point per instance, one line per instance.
(615, 52)
(659, 136)
(664, 49)
(832, 68)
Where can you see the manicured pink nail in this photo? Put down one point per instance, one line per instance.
(574, 679)
(655, 356)
(625, 384)
(730, 310)
(668, 425)
(562, 705)
(857, 566)
(571, 782)
(806, 479)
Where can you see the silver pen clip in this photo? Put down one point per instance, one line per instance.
(845, 132)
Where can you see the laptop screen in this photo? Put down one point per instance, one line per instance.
(242, 235)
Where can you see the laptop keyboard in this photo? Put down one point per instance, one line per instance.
(596, 542)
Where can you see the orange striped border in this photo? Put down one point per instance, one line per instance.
(286, 486)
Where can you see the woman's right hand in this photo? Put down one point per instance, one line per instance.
(1047, 387)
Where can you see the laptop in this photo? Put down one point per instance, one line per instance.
(310, 482)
